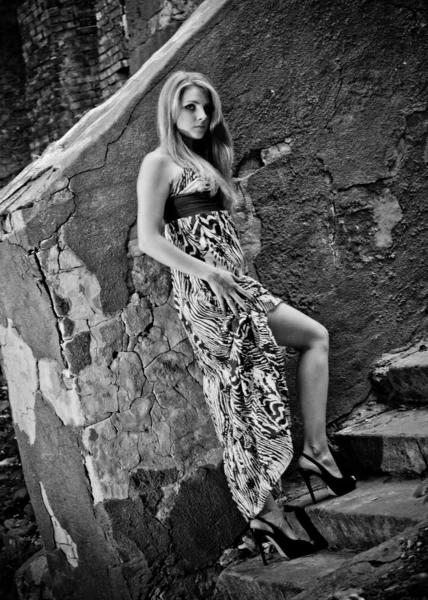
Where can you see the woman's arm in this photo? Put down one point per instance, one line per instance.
(152, 192)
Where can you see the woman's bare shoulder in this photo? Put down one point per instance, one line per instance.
(158, 162)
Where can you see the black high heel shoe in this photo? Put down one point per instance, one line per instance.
(287, 547)
(319, 541)
(338, 485)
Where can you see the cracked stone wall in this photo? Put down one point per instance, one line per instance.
(330, 125)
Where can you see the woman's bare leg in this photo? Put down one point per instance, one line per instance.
(292, 328)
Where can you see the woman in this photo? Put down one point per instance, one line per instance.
(234, 324)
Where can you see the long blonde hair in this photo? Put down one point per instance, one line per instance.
(214, 157)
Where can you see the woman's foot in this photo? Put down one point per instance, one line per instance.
(277, 519)
(274, 528)
(324, 458)
(326, 469)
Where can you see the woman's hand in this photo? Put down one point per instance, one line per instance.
(228, 291)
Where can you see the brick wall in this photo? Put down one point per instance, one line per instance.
(14, 143)
(113, 54)
(61, 57)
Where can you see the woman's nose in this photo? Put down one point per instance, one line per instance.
(202, 115)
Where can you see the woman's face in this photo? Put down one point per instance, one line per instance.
(195, 113)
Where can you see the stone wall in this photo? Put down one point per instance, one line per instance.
(327, 107)
(14, 143)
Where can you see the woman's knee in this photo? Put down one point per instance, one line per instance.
(319, 337)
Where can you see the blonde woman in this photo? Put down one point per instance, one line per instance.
(234, 324)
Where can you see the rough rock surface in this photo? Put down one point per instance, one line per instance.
(331, 153)
(375, 570)
(280, 579)
(376, 511)
(403, 375)
(396, 441)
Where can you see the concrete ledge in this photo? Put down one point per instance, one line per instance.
(392, 442)
(403, 375)
(363, 570)
(376, 511)
(279, 580)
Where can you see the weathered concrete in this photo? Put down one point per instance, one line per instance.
(403, 375)
(377, 510)
(279, 580)
(330, 148)
(392, 442)
(364, 569)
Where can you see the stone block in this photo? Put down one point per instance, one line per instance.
(365, 569)
(168, 368)
(394, 442)
(66, 402)
(107, 339)
(136, 318)
(150, 346)
(77, 353)
(403, 375)
(376, 511)
(137, 418)
(129, 377)
(98, 392)
(166, 318)
(279, 580)
(204, 517)
(151, 279)
(110, 456)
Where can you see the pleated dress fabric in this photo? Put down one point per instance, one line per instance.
(242, 365)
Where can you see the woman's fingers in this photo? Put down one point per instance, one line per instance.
(232, 306)
(239, 301)
(240, 289)
(222, 303)
(230, 294)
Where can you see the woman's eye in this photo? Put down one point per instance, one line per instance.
(190, 107)
(209, 110)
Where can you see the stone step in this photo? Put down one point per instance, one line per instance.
(392, 442)
(375, 511)
(403, 375)
(279, 580)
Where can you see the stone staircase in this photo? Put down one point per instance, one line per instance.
(386, 442)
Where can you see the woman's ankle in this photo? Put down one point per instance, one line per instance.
(317, 450)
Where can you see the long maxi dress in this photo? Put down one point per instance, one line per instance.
(241, 362)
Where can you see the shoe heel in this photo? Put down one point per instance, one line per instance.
(319, 540)
(307, 479)
(259, 539)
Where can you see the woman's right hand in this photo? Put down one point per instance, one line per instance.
(225, 286)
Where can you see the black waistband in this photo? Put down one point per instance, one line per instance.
(177, 207)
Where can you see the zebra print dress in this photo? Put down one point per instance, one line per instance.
(242, 365)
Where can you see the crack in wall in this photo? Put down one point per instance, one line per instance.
(63, 540)
(44, 283)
